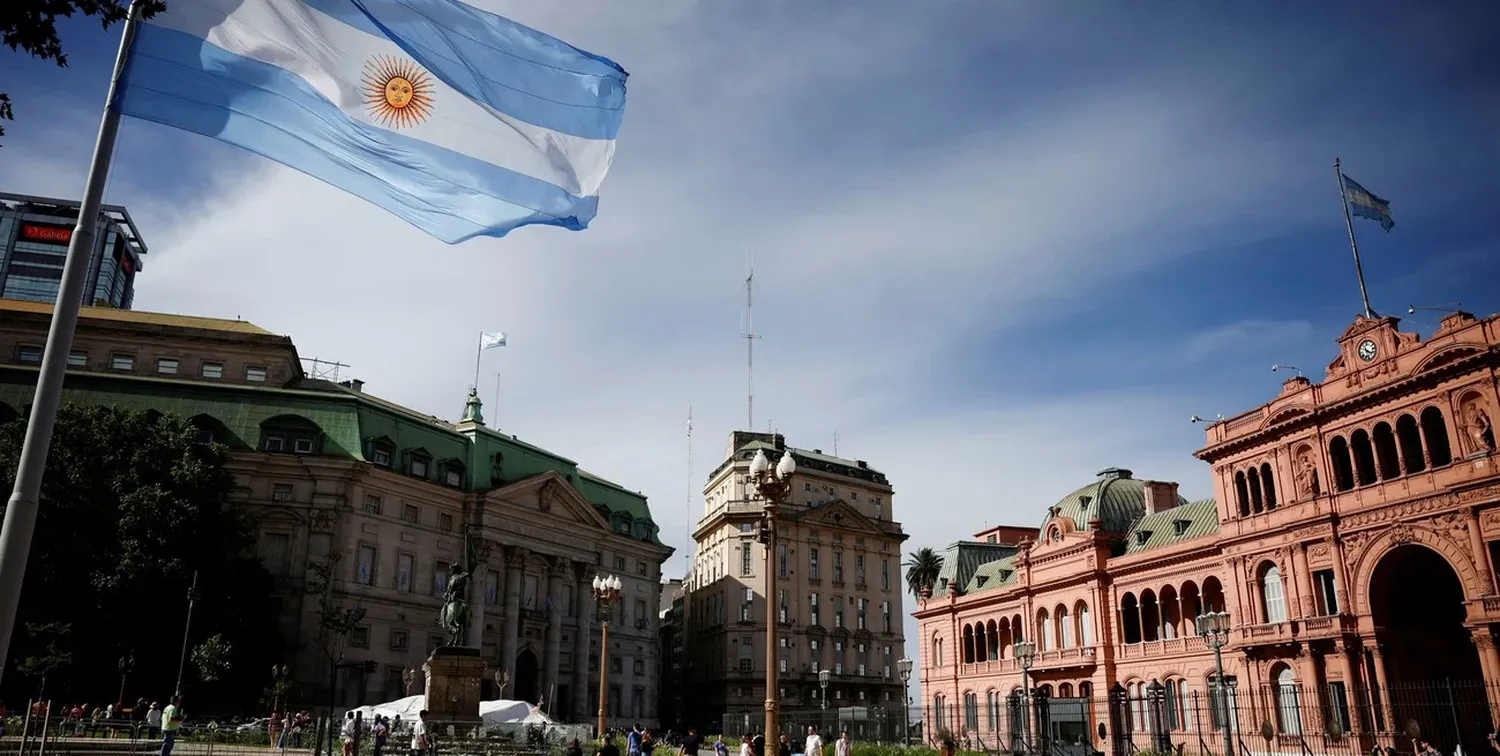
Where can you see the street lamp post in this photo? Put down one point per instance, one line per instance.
(773, 487)
(278, 680)
(127, 663)
(187, 629)
(1213, 627)
(1025, 655)
(904, 667)
(606, 593)
(823, 675)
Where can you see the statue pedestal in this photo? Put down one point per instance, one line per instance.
(452, 691)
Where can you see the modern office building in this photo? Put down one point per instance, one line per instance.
(326, 468)
(838, 592)
(34, 237)
(1352, 541)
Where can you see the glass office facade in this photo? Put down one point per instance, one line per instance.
(34, 237)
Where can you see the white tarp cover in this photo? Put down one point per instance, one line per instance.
(492, 712)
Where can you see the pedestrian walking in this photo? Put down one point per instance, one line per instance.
(419, 741)
(171, 722)
(844, 746)
(380, 731)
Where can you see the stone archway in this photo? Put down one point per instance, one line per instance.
(1432, 671)
(528, 676)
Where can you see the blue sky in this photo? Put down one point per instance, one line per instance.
(1000, 245)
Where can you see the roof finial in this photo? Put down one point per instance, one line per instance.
(473, 408)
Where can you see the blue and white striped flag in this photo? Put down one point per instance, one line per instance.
(459, 121)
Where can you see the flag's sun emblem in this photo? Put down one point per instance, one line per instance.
(397, 92)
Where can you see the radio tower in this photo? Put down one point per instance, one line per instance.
(687, 551)
(750, 337)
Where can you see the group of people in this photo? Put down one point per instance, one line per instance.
(639, 742)
(382, 729)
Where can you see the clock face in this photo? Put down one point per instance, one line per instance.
(1367, 350)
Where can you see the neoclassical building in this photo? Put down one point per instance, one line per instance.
(334, 477)
(1351, 540)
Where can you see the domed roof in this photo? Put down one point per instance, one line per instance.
(1115, 500)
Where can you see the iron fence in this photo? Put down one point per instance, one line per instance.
(867, 724)
(1288, 720)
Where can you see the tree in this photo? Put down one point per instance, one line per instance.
(922, 572)
(49, 636)
(213, 658)
(131, 506)
(30, 26)
(335, 623)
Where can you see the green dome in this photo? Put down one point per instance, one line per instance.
(1115, 500)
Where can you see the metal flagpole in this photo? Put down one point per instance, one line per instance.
(478, 358)
(20, 514)
(1349, 222)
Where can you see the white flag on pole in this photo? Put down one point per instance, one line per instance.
(490, 340)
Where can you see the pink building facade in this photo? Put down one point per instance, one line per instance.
(1351, 540)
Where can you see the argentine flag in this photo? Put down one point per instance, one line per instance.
(459, 121)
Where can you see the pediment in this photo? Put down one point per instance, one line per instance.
(1285, 414)
(841, 514)
(1446, 356)
(552, 495)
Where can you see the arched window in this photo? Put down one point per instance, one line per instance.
(937, 650)
(1273, 594)
(1364, 457)
(1085, 690)
(1343, 469)
(1253, 479)
(1171, 704)
(971, 712)
(1085, 625)
(1137, 691)
(1386, 459)
(992, 710)
(1130, 618)
(981, 643)
(1410, 439)
(1064, 628)
(1049, 638)
(1242, 494)
(290, 434)
(1288, 706)
(1213, 595)
(968, 650)
(1065, 690)
(993, 636)
(1268, 482)
(1171, 622)
(938, 718)
(1150, 616)
(1435, 434)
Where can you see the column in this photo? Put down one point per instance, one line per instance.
(1382, 697)
(1489, 660)
(1341, 576)
(1304, 580)
(1346, 652)
(552, 657)
(1481, 554)
(515, 562)
(479, 575)
(582, 603)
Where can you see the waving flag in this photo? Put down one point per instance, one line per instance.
(459, 121)
(1364, 204)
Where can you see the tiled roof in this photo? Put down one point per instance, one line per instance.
(1181, 523)
(993, 575)
(141, 318)
(1115, 499)
(962, 559)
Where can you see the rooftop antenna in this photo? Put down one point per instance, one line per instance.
(750, 337)
(496, 405)
(687, 549)
(835, 443)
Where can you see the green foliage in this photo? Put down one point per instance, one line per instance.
(130, 508)
(213, 658)
(30, 26)
(922, 570)
(334, 622)
(48, 637)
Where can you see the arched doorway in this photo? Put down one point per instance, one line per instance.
(1431, 665)
(528, 676)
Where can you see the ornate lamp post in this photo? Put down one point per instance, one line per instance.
(823, 676)
(278, 681)
(606, 593)
(1026, 655)
(1213, 627)
(904, 667)
(773, 488)
(127, 663)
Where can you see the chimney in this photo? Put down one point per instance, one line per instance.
(357, 385)
(1160, 495)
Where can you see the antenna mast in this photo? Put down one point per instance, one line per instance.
(750, 337)
(687, 550)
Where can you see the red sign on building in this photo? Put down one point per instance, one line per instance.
(50, 234)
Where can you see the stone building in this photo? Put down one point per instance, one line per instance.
(1351, 539)
(838, 589)
(334, 476)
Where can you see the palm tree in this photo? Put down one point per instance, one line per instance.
(922, 572)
